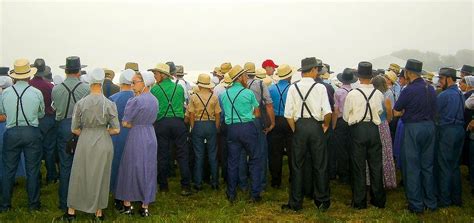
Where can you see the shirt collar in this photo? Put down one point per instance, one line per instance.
(167, 80)
(307, 80)
(237, 84)
(21, 83)
(283, 81)
(346, 86)
(366, 85)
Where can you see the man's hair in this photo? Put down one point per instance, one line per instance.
(72, 71)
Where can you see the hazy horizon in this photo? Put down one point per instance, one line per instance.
(202, 35)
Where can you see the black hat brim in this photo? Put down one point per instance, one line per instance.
(64, 67)
(339, 77)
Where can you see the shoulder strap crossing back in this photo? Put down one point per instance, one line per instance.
(70, 94)
(205, 106)
(304, 99)
(280, 93)
(19, 103)
(367, 105)
(170, 105)
(232, 102)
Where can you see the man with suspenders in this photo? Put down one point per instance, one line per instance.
(342, 143)
(308, 113)
(265, 123)
(240, 107)
(65, 96)
(204, 111)
(280, 137)
(23, 106)
(170, 127)
(362, 108)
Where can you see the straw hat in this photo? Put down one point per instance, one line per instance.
(395, 68)
(22, 69)
(109, 73)
(284, 71)
(236, 72)
(132, 65)
(260, 73)
(391, 75)
(225, 67)
(217, 71)
(162, 68)
(204, 80)
(227, 80)
(250, 67)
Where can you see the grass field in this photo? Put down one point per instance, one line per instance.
(208, 205)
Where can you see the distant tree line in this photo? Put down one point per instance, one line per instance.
(432, 61)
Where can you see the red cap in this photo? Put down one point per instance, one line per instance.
(269, 63)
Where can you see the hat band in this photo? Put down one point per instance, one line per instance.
(23, 72)
(286, 74)
(203, 83)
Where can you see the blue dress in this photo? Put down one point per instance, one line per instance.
(120, 99)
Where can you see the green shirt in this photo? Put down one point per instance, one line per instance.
(170, 105)
(244, 105)
(60, 97)
(32, 101)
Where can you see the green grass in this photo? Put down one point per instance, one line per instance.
(211, 206)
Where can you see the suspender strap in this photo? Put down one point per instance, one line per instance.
(232, 102)
(205, 106)
(304, 100)
(281, 95)
(70, 93)
(367, 105)
(19, 103)
(346, 90)
(251, 82)
(170, 105)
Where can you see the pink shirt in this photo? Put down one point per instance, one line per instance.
(340, 97)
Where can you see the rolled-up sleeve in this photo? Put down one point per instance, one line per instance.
(290, 103)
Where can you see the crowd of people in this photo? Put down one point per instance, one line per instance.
(235, 123)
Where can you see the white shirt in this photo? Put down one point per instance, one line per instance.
(317, 101)
(355, 105)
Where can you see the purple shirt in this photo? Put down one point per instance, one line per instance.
(418, 99)
(340, 98)
(46, 88)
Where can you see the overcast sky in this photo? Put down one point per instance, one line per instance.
(201, 35)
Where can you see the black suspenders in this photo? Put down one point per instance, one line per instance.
(304, 99)
(71, 93)
(170, 105)
(367, 105)
(232, 102)
(19, 103)
(281, 94)
(205, 106)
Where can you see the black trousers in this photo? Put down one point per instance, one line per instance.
(309, 136)
(342, 145)
(366, 146)
(279, 139)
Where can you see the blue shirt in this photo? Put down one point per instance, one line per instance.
(32, 101)
(450, 105)
(418, 99)
(244, 104)
(278, 92)
(121, 99)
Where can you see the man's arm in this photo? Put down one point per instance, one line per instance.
(271, 116)
(291, 123)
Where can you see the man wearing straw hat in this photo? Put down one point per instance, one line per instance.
(308, 113)
(265, 123)
(240, 108)
(219, 72)
(362, 109)
(65, 96)
(47, 124)
(204, 111)
(281, 136)
(170, 127)
(23, 106)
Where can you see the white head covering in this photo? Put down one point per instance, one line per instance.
(148, 78)
(469, 80)
(5, 81)
(96, 76)
(58, 79)
(126, 76)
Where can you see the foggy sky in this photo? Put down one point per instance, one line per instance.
(205, 34)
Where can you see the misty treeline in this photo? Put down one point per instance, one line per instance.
(432, 61)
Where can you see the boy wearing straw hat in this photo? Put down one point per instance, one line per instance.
(204, 111)
(23, 106)
(170, 127)
(308, 113)
(240, 107)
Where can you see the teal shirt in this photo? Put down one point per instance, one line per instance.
(177, 102)
(33, 105)
(60, 96)
(244, 105)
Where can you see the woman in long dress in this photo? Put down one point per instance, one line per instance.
(136, 180)
(94, 120)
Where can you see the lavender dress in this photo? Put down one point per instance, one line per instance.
(136, 180)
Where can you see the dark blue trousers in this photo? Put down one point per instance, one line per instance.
(450, 144)
(243, 137)
(65, 160)
(26, 139)
(417, 156)
(172, 130)
(205, 130)
(47, 126)
(263, 149)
